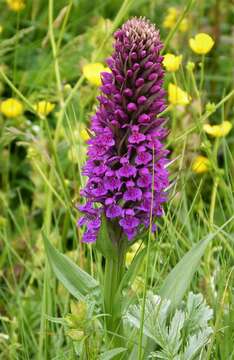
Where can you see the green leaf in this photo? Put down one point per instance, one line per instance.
(74, 279)
(179, 279)
(104, 243)
(107, 355)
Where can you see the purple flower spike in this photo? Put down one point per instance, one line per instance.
(126, 155)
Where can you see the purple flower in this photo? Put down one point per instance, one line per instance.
(143, 157)
(128, 136)
(132, 194)
(111, 181)
(129, 222)
(113, 211)
(127, 170)
(136, 136)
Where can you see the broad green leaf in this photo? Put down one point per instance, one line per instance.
(107, 355)
(179, 279)
(104, 243)
(74, 279)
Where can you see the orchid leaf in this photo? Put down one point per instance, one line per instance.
(179, 279)
(78, 282)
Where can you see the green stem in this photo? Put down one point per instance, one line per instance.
(202, 73)
(114, 268)
(213, 201)
(194, 84)
(215, 185)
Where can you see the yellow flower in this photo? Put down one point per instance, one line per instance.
(201, 164)
(11, 108)
(16, 5)
(172, 62)
(170, 19)
(92, 73)
(184, 25)
(84, 135)
(201, 44)
(1, 29)
(177, 96)
(44, 107)
(218, 130)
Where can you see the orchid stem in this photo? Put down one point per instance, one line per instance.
(114, 268)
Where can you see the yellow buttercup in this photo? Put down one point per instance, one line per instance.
(171, 19)
(177, 96)
(172, 62)
(16, 5)
(11, 108)
(201, 44)
(92, 73)
(44, 107)
(184, 25)
(201, 164)
(218, 130)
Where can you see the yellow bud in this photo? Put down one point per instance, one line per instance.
(218, 130)
(201, 44)
(67, 88)
(11, 108)
(210, 107)
(200, 164)
(190, 66)
(43, 107)
(67, 182)
(172, 62)
(32, 153)
(177, 96)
